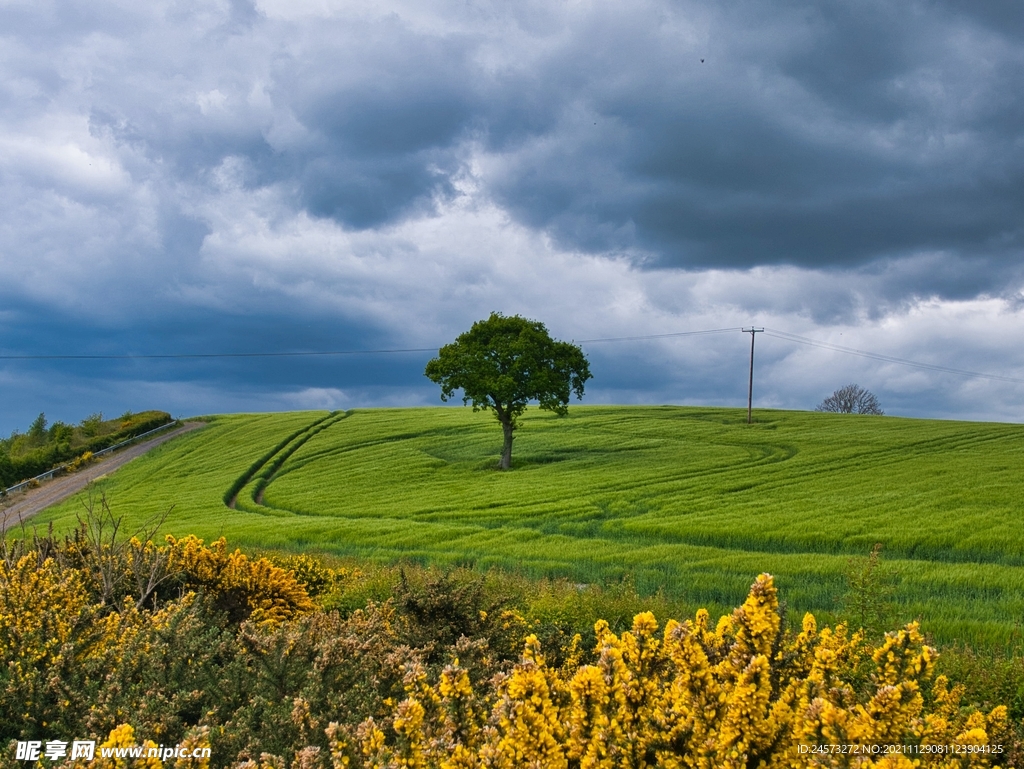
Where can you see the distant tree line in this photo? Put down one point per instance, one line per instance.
(44, 446)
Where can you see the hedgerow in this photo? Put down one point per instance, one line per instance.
(26, 455)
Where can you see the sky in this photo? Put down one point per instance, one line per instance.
(198, 178)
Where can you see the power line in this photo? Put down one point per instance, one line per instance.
(645, 337)
(888, 358)
(193, 355)
(661, 336)
(178, 356)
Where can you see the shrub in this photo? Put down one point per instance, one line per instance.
(744, 694)
(871, 588)
(91, 424)
(128, 641)
(243, 588)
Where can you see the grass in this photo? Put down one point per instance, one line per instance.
(689, 501)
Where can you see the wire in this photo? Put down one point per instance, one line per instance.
(214, 355)
(887, 358)
(785, 335)
(179, 356)
(659, 336)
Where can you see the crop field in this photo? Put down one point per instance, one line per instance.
(689, 501)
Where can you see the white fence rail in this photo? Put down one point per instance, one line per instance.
(58, 470)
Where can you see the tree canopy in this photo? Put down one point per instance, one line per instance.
(851, 399)
(503, 363)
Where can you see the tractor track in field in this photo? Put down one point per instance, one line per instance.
(266, 468)
(36, 500)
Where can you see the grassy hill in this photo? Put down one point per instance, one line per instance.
(691, 501)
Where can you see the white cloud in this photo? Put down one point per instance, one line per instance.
(309, 398)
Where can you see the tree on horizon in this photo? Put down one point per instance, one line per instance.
(851, 399)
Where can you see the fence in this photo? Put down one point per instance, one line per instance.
(57, 470)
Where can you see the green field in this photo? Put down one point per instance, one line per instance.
(691, 501)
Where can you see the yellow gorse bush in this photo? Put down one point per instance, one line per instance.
(48, 626)
(229, 651)
(78, 462)
(256, 589)
(746, 694)
(70, 626)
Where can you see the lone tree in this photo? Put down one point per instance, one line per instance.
(852, 399)
(503, 363)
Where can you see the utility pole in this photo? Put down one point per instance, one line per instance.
(750, 390)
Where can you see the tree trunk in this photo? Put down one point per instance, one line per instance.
(506, 449)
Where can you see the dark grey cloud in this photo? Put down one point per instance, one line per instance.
(814, 134)
(386, 115)
(825, 135)
(219, 176)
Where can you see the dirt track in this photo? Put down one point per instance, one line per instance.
(28, 503)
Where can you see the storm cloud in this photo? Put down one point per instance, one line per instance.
(291, 175)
